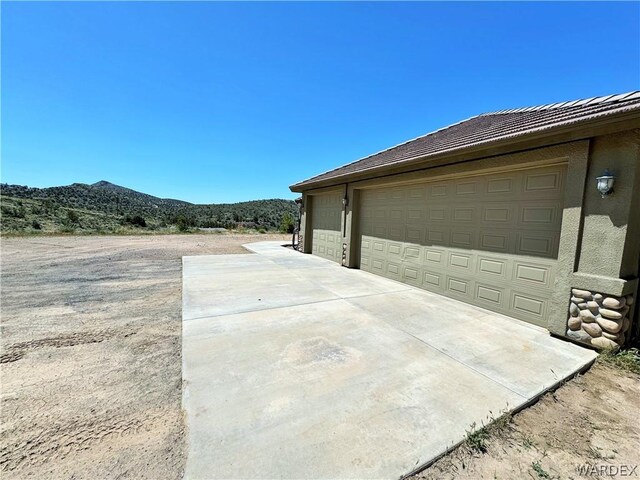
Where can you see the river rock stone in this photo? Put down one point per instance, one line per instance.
(592, 329)
(574, 323)
(610, 326)
(586, 316)
(593, 307)
(621, 339)
(574, 310)
(611, 314)
(577, 300)
(582, 306)
(614, 303)
(602, 342)
(626, 323)
(598, 297)
(586, 294)
(579, 336)
(629, 299)
(610, 336)
(624, 310)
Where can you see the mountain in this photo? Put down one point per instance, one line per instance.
(112, 187)
(105, 206)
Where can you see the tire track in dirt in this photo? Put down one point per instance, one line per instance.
(64, 438)
(16, 351)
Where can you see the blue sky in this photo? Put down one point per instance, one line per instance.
(223, 102)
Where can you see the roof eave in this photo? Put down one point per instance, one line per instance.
(622, 121)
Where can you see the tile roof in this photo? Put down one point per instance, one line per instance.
(487, 128)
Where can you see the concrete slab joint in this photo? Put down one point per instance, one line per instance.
(598, 319)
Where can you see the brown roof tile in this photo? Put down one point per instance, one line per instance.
(487, 128)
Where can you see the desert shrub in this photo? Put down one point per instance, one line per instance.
(182, 223)
(72, 217)
(288, 223)
(135, 220)
(36, 225)
(8, 211)
(13, 212)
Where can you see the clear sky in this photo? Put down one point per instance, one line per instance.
(223, 102)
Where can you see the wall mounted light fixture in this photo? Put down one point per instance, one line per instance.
(345, 201)
(605, 183)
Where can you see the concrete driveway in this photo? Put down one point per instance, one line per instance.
(295, 367)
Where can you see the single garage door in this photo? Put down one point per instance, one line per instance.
(326, 214)
(490, 240)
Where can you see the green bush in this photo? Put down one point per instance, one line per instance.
(72, 217)
(288, 224)
(136, 221)
(36, 225)
(183, 223)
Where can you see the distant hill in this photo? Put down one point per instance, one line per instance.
(104, 206)
(112, 187)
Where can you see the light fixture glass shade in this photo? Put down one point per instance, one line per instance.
(605, 183)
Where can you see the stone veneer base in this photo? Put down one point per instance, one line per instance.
(598, 319)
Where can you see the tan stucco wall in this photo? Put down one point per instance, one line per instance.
(607, 220)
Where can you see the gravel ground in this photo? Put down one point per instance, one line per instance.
(91, 354)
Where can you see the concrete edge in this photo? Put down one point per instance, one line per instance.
(527, 403)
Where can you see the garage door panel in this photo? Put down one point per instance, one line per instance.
(433, 281)
(502, 186)
(394, 251)
(414, 234)
(533, 275)
(393, 270)
(466, 187)
(411, 274)
(459, 286)
(489, 240)
(434, 258)
(411, 253)
(497, 214)
(543, 181)
(501, 241)
(490, 296)
(377, 266)
(464, 214)
(437, 235)
(528, 306)
(538, 244)
(463, 238)
(326, 217)
(458, 261)
(437, 191)
(437, 214)
(493, 269)
(539, 215)
(416, 193)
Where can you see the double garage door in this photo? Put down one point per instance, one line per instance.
(489, 240)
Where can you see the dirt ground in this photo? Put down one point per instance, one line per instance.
(91, 354)
(592, 420)
(91, 373)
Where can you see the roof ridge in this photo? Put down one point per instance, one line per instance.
(571, 103)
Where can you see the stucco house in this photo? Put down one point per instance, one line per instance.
(532, 213)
